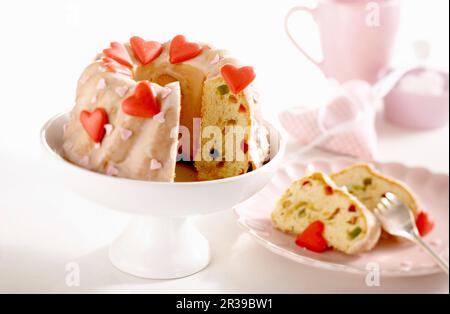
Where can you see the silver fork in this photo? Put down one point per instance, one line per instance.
(398, 220)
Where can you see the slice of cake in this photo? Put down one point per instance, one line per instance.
(227, 144)
(320, 213)
(369, 186)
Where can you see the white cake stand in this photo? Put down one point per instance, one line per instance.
(160, 242)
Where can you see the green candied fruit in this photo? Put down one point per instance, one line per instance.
(367, 181)
(354, 233)
(301, 204)
(311, 207)
(302, 213)
(223, 90)
(357, 188)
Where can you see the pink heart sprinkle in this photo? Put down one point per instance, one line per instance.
(155, 165)
(216, 59)
(160, 117)
(165, 92)
(84, 79)
(112, 171)
(125, 134)
(84, 162)
(108, 128)
(121, 90)
(97, 146)
(101, 84)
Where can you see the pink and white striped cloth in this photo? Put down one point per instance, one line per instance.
(346, 125)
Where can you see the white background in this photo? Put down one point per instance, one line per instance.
(44, 47)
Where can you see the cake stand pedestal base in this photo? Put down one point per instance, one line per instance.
(160, 248)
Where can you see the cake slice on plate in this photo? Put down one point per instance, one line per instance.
(324, 216)
(369, 186)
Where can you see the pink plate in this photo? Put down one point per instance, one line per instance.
(393, 258)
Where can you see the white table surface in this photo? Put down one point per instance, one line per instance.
(44, 226)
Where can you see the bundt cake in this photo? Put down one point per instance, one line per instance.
(142, 106)
(324, 216)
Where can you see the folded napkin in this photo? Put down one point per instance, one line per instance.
(345, 125)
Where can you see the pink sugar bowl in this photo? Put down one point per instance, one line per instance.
(419, 100)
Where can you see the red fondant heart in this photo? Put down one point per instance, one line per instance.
(424, 224)
(144, 103)
(145, 51)
(312, 238)
(181, 50)
(237, 78)
(119, 53)
(94, 123)
(114, 67)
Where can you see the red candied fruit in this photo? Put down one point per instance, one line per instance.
(329, 190)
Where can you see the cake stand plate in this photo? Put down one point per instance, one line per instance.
(160, 242)
(153, 248)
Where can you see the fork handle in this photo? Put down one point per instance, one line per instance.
(438, 259)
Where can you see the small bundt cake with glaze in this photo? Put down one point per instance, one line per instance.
(142, 106)
(324, 216)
